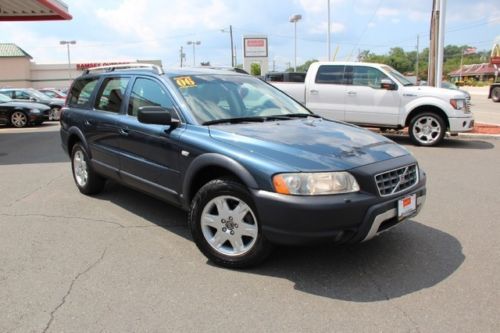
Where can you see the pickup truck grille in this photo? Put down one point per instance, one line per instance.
(397, 180)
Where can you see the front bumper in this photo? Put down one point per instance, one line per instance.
(462, 124)
(351, 217)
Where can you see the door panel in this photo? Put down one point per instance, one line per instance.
(150, 153)
(326, 93)
(366, 102)
(101, 127)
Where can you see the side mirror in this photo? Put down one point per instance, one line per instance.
(33, 99)
(388, 84)
(156, 115)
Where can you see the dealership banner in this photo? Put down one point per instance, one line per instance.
(255, 47)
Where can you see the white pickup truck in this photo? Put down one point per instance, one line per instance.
(377, 95)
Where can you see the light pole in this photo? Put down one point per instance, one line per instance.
(294, 19)
(329, 34)
(233, 60)
(194, 43)
(68, 43)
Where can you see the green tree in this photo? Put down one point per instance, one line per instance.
(255, 69)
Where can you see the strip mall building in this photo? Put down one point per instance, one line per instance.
(18, 70)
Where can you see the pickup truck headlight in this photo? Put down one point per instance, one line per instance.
(322, 183)
(35, 111)
(458, 104)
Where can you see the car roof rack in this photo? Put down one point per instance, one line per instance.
(112, 68)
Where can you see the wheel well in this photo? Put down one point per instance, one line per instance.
(207, 174)
(427, 108)
(73, 139)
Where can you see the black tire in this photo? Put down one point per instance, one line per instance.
(92, 183)
(427, 129)
(19, 119)
(495, 94)
(258, 247)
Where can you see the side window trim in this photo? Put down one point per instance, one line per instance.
(161, 84)
(337, 84)
(89, 104)
(101, 85)
(382, 75)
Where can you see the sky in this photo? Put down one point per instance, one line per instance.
(108, 30)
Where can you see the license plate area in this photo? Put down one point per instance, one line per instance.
(407, 206)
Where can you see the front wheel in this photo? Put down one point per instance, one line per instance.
(54, 113)
(225, 226)
(495, 94)
(427, 129)
(19, 119)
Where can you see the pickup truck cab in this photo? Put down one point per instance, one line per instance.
(377, 95)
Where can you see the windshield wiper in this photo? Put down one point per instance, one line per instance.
(235, 120)
(260, 119)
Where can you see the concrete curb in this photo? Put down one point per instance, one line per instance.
(477, 136)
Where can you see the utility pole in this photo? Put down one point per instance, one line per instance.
(436, 47)
(232, 47)
(440, 49)
(416, 61)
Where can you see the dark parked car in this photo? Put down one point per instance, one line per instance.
(20, 114)
(32, 95)
(251, 166)
(53, 93)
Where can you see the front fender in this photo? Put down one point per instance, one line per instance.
(425, 101)
(214, 160)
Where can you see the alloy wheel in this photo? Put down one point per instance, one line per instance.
(18, 119)
(427, 130)
(80, 168)
(229, 225)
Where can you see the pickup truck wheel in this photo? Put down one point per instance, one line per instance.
(225, 227)
(87, 181)
(495, 94)
(427, 129)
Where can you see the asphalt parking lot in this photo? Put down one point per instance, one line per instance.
(124, 262)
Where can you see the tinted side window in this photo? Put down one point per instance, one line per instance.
(22, 95)
(367, 76)
(8, 93)
(148, 93)
(110, 96)
(332, 74)
(81, 91)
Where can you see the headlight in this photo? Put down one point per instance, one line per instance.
(458, 104)
(321, 183)
(35, 111)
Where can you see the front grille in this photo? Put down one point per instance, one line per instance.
(397, 180)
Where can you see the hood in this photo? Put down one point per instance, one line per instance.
(425, 91)
(309, 144)
(27, 105)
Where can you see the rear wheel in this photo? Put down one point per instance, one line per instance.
(225, 226)
(19, 119)
(86, 179)
(427, 129)
(495, 94)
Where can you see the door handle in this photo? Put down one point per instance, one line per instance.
(87, 123)
(123, 131)
(314, 92)
(352, 93)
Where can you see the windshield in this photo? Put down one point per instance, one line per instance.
(4, 99)
(215, 98)
(398, 76)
